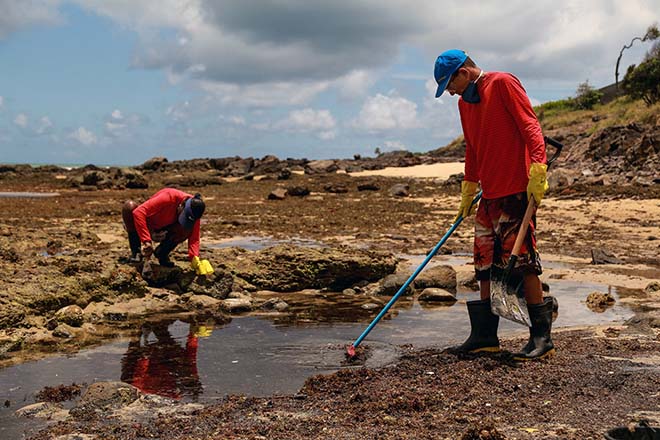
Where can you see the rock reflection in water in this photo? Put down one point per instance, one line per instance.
(157, 363)
(314, 307)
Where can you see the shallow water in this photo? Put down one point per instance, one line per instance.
(262, 355)
(271, 353)
(28, 194)
(254, 243)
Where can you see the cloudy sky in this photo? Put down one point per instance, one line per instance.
(120, 81)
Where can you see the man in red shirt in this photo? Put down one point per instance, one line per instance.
(505, 154)
(169, 217)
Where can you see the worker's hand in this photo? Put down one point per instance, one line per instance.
(468, 191)
(202, 267)
(201, 331)
(147, 249)
(538, 182)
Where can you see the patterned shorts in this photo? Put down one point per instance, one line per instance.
(496, 226)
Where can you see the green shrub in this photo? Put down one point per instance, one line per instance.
(643, 81)
(586, 96)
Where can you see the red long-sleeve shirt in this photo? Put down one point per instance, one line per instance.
(159, 212)
(502, 136)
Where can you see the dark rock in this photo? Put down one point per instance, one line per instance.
(434, 294)
(289, 268)
(194, 179)
(64, 331)
(277, 194)
(599, 302)
(399, 190)
(368, 186)
(276, 304)
(454, 180)
(217, 285)
(7, 168)
(321, 166)
(652, 287)
(600, 256)
(285, 174)
(92, 177)
(105, 396)
(443, 277)
(72, 315)
(239, 167)
(154, 163)
(298, 191)
(336, 188)
(391, 284)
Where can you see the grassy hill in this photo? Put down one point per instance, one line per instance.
(561, 115)
(562, 120)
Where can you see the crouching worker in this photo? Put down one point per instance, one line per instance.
(169, 217)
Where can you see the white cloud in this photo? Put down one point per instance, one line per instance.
(572, 40)
(383, 113)
(308, 120)
(115, 123)
(392, 146)
(237, 120)
(118, 124)
(83, 136)
(264, 95)
(17, 14)
(179, 112)
(21, 120)
(234, 42)
(114, 128)
(440, 115)
(356, 84)
(327, 135)
(234, 120)
(2, 101)
(45, 126)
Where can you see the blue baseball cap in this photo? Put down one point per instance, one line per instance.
(445, 66)
(193, 209)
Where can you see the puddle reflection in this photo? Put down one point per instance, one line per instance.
(157, 363)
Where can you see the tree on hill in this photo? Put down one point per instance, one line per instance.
(586, 96)
(651, 34)
(643, 81)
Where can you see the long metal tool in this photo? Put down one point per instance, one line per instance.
(350, 350)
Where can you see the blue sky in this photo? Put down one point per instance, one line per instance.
(118, 82)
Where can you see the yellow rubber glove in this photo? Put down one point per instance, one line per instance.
(202, 267)
(538, 182)
(468, 191)
(202, 331)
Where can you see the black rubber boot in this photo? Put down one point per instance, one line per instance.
(162, 252)
(135, 245)
(483, 333)
(540, 344)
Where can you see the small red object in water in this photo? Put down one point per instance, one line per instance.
(350, 351)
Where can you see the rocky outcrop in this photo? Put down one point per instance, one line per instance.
(617, 155)
(93, 178)
(290, 268)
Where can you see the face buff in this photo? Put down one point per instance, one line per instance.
(471, 94)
